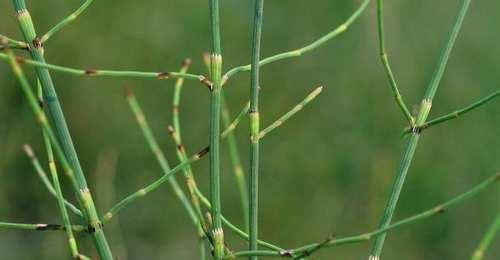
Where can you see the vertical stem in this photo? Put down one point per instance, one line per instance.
(215, 107)
(254, 126)
(423, 113)
(58, 121)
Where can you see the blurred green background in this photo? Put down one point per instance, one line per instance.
(328, 170)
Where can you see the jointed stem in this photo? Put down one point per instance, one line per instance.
(215, 111)
(376, 233)
(66, 21)
(255, 126)
(298, 52)
(487, 239)
(291, 113)
(160, 156)
(387, 67)
(62, 142)
(230, 126)
(106, 73)
(415, 135)
(11, 43)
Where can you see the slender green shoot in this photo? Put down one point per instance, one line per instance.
(108, 73)
(255, 128)
(11, 43)
(291, 113)
(234, 156)
(153, 186)
(175, 133)
(66, 21)
(160, 156)
(387, 67)
(415, 135)
(40, 227)
(214, 135)
(230, 126)
(43, 176)
(298, 52)
(457, 113)
(177, 98)
(487, 239)
(376, 233)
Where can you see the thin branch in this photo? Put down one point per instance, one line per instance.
(298, 52)
(151, 187)
(487, 239)
(230, 127)
(43, 176)
(370, 235)
(291, 113)
(457, 113)
(108, 73)
(387, 67)
(66, 21)
(412, 143)
(40, 227)
(11, 43)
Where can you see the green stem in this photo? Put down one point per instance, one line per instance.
(160, 156)
(105, 73)
(298, 52)
(64, 150)
(413, 140)
(387, 67)
(291, 113)
(234, 156)
(11, 43)
(487, 239)
(66, 21)
(460, 112)
(151, 187)
(40, 227)
(215, 111)
(43, 176)
(376, 233)
(255, 126)
(230, 126)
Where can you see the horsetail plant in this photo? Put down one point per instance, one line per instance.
(209, 227)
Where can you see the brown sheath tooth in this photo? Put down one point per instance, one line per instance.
(163, 75)
(91, 72)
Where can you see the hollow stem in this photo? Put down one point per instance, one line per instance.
(66, 21)
(415, 135)
(298, 52)
(291, 113)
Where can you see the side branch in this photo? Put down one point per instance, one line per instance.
(108, 73)
(39, 227)
(370, 235)
(291, 113)
(298, 52)
(66, 21)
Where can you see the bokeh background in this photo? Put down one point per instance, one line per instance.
(328, 170)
